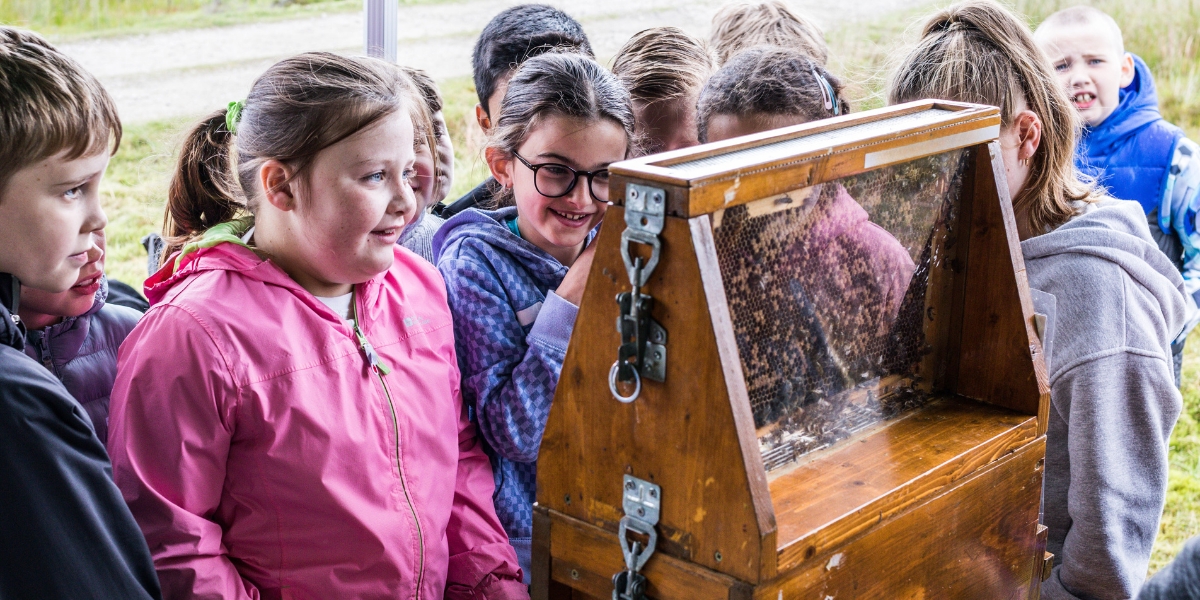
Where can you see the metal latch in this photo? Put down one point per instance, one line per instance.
(643, 350)
(641, 501)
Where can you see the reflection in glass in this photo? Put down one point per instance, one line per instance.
(827, 290)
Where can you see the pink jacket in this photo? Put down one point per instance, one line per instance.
(263, 457)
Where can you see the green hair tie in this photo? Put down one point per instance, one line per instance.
(233, 114)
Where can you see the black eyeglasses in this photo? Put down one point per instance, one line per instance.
(554, 180)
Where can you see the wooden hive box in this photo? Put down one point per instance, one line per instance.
(826, 407)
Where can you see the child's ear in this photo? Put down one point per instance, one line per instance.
(1127, 70)
(501, 165)
(1029, 131)
(481, 117)
(277, 184)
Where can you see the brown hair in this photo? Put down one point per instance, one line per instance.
(298, 107)
(558, 84)
(663, 63)
(978, 51)
(743, 25)
(48, 104)
(770, 81)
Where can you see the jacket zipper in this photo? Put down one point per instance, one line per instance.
(43, 350)
(380, 370)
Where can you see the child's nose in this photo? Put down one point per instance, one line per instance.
(404, 198)
(95, 253)
(580, 196)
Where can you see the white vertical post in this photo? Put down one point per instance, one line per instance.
(379, 28)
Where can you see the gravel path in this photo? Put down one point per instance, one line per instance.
(191, 72)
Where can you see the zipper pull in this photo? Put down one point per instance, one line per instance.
(369, 352)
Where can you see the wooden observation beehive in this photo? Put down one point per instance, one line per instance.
(823, 406)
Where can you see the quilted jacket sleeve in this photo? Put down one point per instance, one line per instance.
(508, 375)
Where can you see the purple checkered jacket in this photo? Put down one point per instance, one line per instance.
(511, 333)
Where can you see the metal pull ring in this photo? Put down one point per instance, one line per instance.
(612, 384)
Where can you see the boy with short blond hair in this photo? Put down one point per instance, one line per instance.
(1126, 144)
(743, 25)
(65, 531)
(664, 69)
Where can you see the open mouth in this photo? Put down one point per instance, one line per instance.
(572, 219)
(1084, 100)
(89, 285)
(388, 234)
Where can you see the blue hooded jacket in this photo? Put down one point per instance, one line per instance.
(511, 333)
(1130, 152)
(1139, 156)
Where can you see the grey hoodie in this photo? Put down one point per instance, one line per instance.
(1116, 302)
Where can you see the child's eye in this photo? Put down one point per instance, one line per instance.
(375, 177)
(73, 193)
(1096, 61)
(1060, 67)
(410, 174)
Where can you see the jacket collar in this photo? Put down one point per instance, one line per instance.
(490, 227)
(221, 249)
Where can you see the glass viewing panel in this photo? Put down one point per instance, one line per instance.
(827, 289)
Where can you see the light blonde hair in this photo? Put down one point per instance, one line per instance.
(663, 63)
(1085, 15)
(48, 104)
(978, 51)
(743, 25)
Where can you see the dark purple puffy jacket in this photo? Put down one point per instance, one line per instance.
(82, 352)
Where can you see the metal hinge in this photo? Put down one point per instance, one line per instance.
(641, 501)
(643, 351)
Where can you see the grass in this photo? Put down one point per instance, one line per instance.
(1163, 32)
(135, 189)
(1181, 518)
(73, 19)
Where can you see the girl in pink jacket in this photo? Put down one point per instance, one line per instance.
(286, 420)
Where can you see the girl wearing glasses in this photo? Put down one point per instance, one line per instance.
(515, 274)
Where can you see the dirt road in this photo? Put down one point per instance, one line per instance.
(187, 73)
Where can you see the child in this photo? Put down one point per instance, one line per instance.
(1126, 144)
(286, 420)
(743, 25)
(664, 68)
(434, 165)
(76, 334)
(65, 532)
(838, 256)
(511, 37)
(1117, 301)
(766, 88)
(515, 276)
